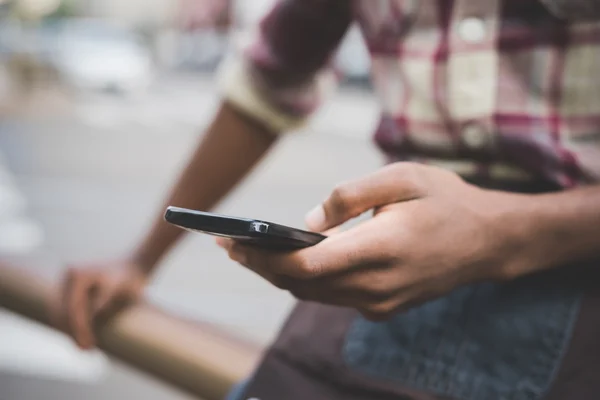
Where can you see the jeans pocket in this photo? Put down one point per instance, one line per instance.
(489, 341)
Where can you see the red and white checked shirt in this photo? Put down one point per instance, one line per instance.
(506, 89)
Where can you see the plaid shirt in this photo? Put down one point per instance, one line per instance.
(500, 89)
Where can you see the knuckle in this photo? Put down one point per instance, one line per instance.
(341, 199)
(355, 256)
(309, 269)
(390, 255)
(414, 179)
(409, 175)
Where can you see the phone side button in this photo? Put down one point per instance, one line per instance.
(260, 227)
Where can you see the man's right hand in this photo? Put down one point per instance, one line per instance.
(90, 292)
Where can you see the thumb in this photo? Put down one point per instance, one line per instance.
(388, 185)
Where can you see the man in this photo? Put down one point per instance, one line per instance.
(484, 287)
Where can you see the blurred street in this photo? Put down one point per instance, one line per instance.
(94, 174)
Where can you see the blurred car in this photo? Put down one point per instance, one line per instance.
(96, 55)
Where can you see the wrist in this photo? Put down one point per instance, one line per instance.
(530, 225)
(143, 262)
(514, 223)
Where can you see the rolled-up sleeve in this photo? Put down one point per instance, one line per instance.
(280, 74)
(574, 10)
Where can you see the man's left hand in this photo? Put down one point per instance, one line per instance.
(431, 232)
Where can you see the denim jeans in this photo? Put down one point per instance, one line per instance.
(488, 341)
(482, 342)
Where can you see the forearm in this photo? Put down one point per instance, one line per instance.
(275, 81)
(555, 230)
(232, 146)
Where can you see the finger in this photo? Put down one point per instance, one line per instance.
(353, 288)
(105, 295)
(357, 246)
(372, 283)
(224, 242)
(239, 253)
(332, 231)
(398, 182)
(79, 311)
(373, 308)
(383, 311)
(59, 306)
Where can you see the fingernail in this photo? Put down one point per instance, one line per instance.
(221, 242)
(315, 219)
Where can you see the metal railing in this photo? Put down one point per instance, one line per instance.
(192, 356)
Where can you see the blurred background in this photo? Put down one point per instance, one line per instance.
(101, 102)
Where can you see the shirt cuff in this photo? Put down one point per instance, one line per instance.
(237, 88)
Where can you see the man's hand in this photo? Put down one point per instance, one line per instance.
(431, 232)
(91, 292)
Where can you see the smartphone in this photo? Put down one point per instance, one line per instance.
(252, 232)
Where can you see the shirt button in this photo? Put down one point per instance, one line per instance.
(475, 136)
(472, 30)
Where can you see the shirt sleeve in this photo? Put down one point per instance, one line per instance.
(582, 10)
(280, 73)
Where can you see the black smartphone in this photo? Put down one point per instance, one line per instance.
(252, 232)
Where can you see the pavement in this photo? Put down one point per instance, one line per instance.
(86, 184)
